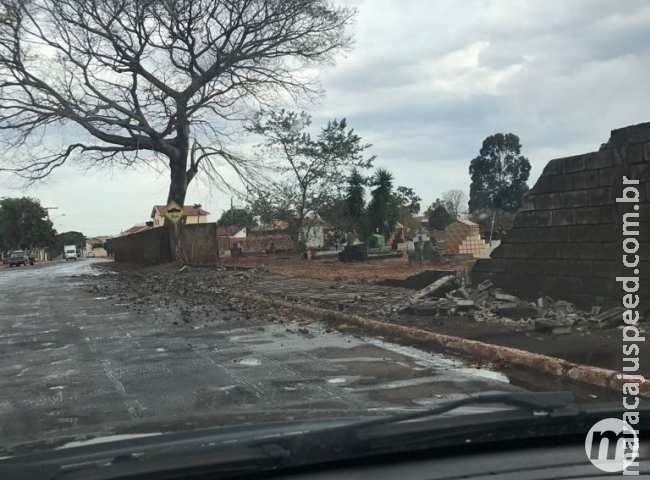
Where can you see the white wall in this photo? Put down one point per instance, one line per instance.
(314, 236)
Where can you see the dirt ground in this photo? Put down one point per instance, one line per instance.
(331, 269)
(382, 301)
(191, 291)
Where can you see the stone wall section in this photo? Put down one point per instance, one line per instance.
(567, 238)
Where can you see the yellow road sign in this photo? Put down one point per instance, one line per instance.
(174, 212)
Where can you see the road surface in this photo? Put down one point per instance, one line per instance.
(75, 365)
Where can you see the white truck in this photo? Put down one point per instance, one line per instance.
(69, 252)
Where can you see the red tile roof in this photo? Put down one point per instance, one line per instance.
(188, 211)
(228, 231)
(135, 229)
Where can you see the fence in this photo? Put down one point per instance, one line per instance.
(258, 244)
(148, 247)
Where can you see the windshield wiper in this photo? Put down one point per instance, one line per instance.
(546, 402)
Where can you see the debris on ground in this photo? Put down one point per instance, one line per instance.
(451, 295)
(440, 286)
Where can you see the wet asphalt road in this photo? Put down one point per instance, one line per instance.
(74, 365)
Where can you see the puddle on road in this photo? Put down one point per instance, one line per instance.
(250, 362)
(108, 438)
(344, 380)
(439, 362)
(485, 373)
(336, 380)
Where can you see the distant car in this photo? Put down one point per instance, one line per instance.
(20, 257)
(90, 255)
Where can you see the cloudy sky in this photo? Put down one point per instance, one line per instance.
(425, 83)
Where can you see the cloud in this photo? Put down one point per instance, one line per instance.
(427, 81)
(444, 75)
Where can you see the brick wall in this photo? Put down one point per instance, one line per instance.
(567, 238)
(152, 246)
(200, 243)
(258, 243)
(148, 247)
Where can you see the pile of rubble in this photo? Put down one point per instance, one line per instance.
(451, 295)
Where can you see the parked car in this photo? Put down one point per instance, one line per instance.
(20, 257)
(90, 255)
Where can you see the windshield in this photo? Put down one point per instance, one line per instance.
(241, 213)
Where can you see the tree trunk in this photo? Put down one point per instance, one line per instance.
(178, 183)
(300, 237)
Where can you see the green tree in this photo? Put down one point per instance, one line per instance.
(236, 216)
(494, 224)
(499, 174)
(77, 239)
(311, 169)
(408, 200)
(438, 216)
(383, 209)
(355, 202)
(273, 202)
(24, 224)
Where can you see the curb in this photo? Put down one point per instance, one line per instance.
(587, 374)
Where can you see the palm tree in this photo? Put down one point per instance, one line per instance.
(382, 210)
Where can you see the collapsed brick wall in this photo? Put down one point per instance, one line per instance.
(567, 239)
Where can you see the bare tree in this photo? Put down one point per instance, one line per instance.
(454, 201)
(135, 81)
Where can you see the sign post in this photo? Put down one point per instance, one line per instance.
(173, 212)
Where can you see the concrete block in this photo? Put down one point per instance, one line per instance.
(601, 159)
(636, 153)
(576, 163)
(561, 183)
(586, 179)
(575, 198)
(588, 216)
(619, 155)
(554, 167)
(563, 217)
(545, 201)
(607, 177)
(601, 196)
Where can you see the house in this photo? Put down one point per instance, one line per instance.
(272, 226)
(192, 214)
(96, 246)
(232, 231)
